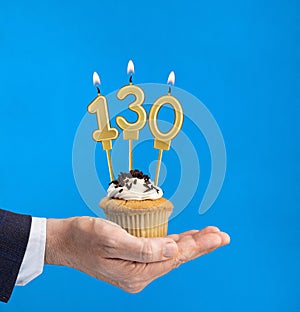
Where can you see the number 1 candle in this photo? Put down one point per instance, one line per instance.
(131, 129)
(162, 140)
(105, 133)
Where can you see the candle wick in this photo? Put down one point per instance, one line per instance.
(169, 91)
(98, 89)
(130, 79)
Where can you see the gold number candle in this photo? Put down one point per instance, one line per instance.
(131, 129)
(105, 133)
(162, 140)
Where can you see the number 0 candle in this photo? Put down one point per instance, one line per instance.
(105, 133)
(162, 140)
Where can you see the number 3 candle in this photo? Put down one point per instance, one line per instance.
(105, 133)
(162, 140)
(131, 130)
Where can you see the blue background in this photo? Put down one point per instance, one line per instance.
(241, 58)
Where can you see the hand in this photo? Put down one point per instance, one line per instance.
(104, 250)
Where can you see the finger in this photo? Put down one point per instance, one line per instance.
(117, 243)
(198, 244)
(225, 239)
(208, 229)
(143, 249)
(111, 223)
(190, 247)
(176, 237)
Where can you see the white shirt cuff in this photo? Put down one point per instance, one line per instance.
(33, 261)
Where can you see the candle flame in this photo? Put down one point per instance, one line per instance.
(96, 79)
(171, 78)
(130, 67)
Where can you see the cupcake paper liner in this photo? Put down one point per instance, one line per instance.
(148, 224)
(141, 222)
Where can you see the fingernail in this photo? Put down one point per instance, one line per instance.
(170, 250)
(213, 228)
(226, 238)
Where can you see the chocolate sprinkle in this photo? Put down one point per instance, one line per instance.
(123, 180)
(149, 188)
(113, 182)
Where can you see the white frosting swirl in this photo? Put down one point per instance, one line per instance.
(133, 188)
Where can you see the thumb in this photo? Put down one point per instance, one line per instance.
(145, 249)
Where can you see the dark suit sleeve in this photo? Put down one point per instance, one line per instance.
(14, 235)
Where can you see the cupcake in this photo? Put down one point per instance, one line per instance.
(137, 205)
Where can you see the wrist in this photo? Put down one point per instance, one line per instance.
(56, 241)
